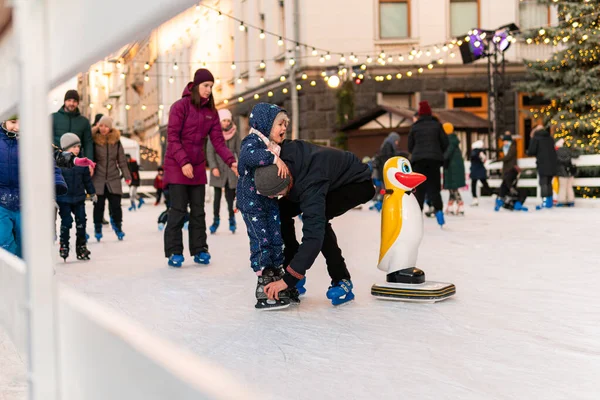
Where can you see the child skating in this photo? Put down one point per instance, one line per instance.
(134, 169)
(268, 124)
(79, 182)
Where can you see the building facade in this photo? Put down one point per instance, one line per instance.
(286, 52)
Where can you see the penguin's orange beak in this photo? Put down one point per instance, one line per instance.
(411, 180)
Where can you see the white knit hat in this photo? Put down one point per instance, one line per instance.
(69, 140)
(225, 114)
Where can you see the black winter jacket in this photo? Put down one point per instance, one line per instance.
(316, 171)
(134, 168)
(79, 182)
(542, 148)
(427, 140)
(565, 156)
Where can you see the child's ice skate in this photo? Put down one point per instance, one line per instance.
(141, 202)
(461, 208)
(340, 292)
(202, 258)
(176, 260)
(499, 204)
(451, 210)
(213, 228)
(64, 251)
(82, 252)
(262, 301)
(132, 207)
(300, 286)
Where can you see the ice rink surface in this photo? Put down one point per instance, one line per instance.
(524, 324)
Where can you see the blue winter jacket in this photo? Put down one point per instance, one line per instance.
(78, 181)
(253, 154)
(9, 174)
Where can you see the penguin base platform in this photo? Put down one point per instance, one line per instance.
(410, 285)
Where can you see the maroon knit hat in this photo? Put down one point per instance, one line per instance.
(424, 108)
(203, 75)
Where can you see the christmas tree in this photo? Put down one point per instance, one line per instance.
(570, 78)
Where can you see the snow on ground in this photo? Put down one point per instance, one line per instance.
(524, 323)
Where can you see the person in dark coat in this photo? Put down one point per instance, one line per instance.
(454, 171)
(69, 119)
(325, 183)
(478, 171)
(134, 169)
(542, 148)
(10, 191)
(159, 184)
(509, 151)
(510, 196)
(221, 176)
(388, 149)
(566, 174)
(427, 143)
(79, 182)
(192, 120)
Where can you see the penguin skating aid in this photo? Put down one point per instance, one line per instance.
(401, 234)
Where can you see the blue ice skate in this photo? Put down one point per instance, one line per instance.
(340, 292)
(140, 203)
(98, 231)
(232, 224)
(546, 203)
(202, 258)
(300, 286)
(520, 207)
(131, 208)
(439, 215)
(213, 228)
(176, 260)
(499, 204)
(120, 234)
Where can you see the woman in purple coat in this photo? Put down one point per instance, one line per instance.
(192, 119)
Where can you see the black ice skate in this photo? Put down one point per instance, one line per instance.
(262, 301)
(64, 251)
(82, 252)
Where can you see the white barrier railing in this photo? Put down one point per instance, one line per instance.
(13, 299)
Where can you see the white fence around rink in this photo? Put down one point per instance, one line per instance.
(529, 163)
(75, 348)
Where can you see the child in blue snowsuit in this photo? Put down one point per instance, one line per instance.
(10, 201)
(79, 182)
(268, 123)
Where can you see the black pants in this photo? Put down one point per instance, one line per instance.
(432, 186)
(337, 203)
(180, 197)
(546, 185)
(66, 212)
(485, 189)
(114, 208)
(159, 193)
(229, 196)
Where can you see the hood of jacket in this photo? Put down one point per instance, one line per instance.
(391, 139)
(113, 137)
(478, 144)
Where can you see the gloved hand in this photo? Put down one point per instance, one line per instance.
(128, 182)
(84, 162)
(94, 198)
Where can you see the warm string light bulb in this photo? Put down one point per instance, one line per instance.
(280, 41)
(262, 34)
(175, 66)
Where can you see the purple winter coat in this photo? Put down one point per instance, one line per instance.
(186, 134)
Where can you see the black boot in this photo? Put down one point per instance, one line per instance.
(82, 252)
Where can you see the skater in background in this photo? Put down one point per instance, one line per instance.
(159, 184)
(454, 171)
(542, 148)
(71, 204)
(325, 183)
(268, 124)
(478, 171)
(110, 164)
(97, 119)
(192, 119)
(510, 196)
(134, 169)
(427, 143)
(69, 119)
(566, 174)
(222, 178)
(509, 151)
(10, 193)
(389, 148)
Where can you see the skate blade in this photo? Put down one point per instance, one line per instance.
(342, 302)
(266, 306)
(428, 292)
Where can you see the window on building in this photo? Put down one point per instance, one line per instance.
(394, 19)
(464, 16)
(533, 15)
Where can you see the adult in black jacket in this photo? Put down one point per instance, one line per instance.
(542, 148)
(427, 143)
(325, 183)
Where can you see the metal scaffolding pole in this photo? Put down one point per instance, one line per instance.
(37, 198)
